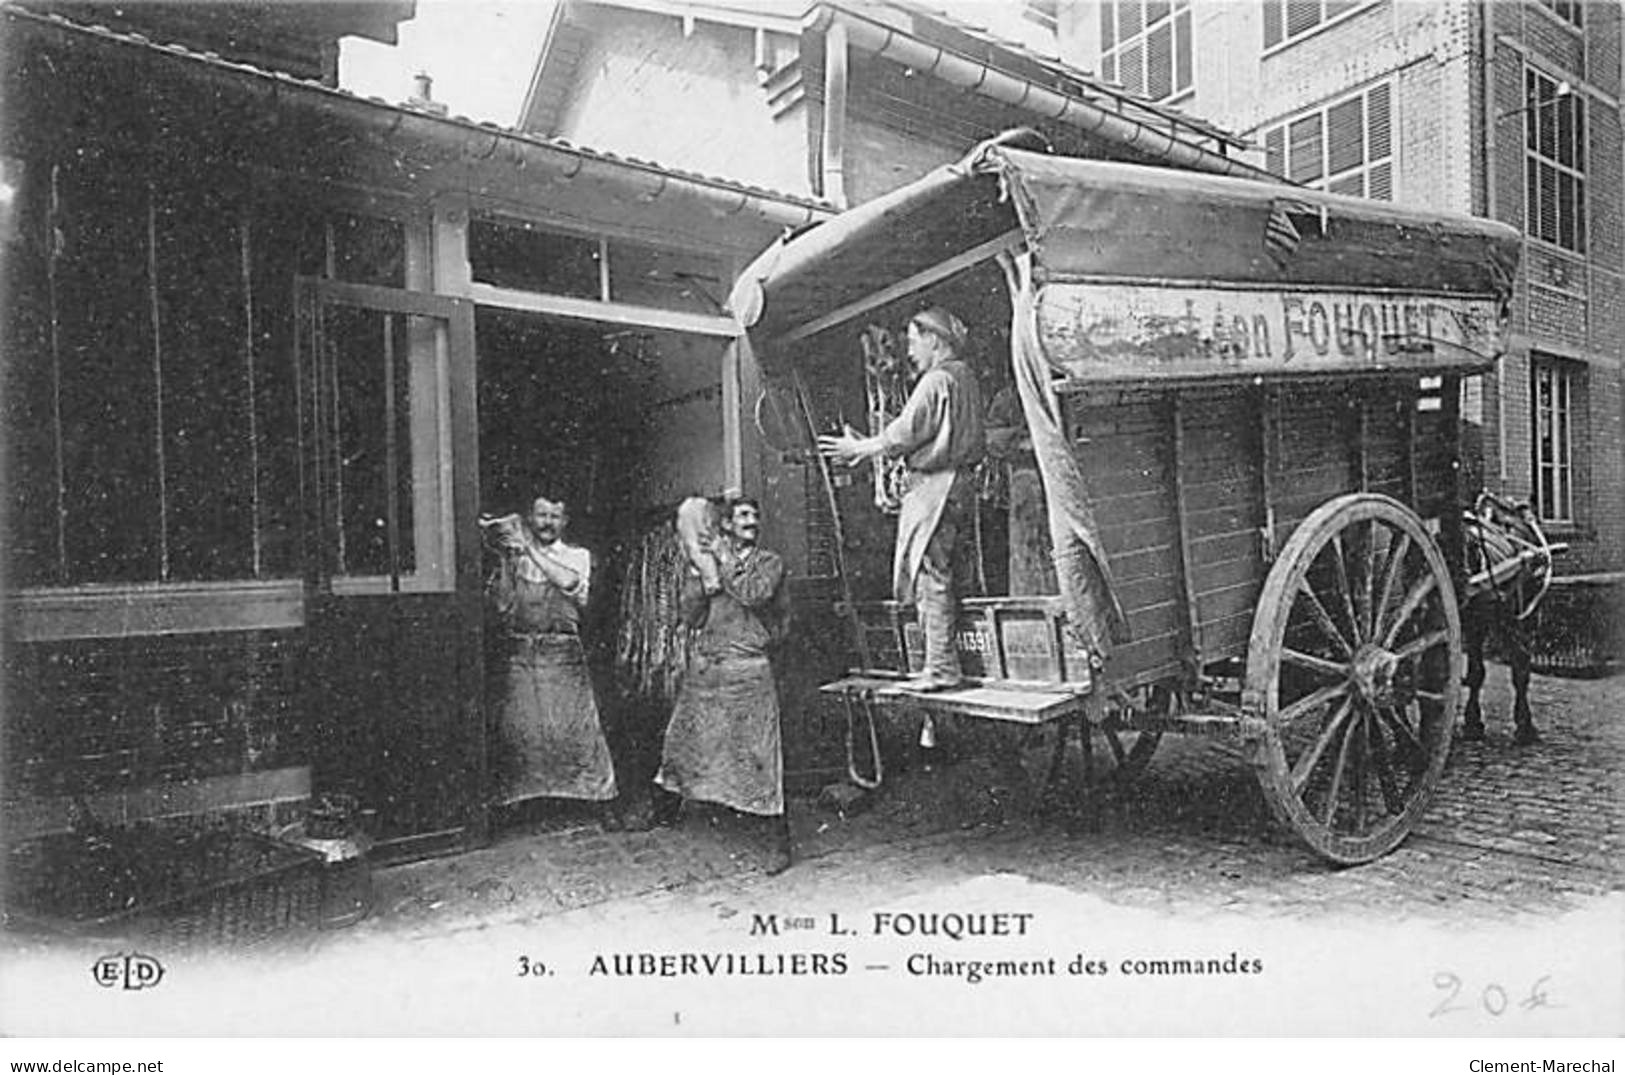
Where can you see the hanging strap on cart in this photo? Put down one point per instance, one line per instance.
(852, 703)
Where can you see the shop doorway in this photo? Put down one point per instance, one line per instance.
(620, 422)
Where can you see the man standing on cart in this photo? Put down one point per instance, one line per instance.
(940, 435)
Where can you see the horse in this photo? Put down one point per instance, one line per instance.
(1509, 568)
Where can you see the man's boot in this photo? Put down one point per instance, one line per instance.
(777, 833)
(666, 808)
(934, 600)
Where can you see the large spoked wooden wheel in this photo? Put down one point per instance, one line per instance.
(1355, 667)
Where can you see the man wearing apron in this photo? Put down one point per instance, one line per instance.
(940, 435)
(723, 744)
(549, 740)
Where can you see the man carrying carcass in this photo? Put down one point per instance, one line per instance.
(723, 743)
(550, 742)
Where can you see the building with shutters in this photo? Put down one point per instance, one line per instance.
(1507, 110)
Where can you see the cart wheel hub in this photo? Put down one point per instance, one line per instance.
(1372, 675)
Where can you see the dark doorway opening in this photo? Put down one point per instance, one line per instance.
(620, 422)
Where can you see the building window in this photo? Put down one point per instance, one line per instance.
(520, 255)
(1345, 147)
(1146, 46)
(1555, 389)
(1554, 143)
(152, 344)
(1285, 20)
(1570, 11)
(385, 496)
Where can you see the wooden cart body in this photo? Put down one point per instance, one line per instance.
(1260, 386)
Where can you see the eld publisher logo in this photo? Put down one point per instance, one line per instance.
(133, 971)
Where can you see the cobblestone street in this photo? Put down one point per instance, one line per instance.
(1513, 831)
(1501, 914)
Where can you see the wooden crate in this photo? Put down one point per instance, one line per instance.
(165, 883)
(1014, 639)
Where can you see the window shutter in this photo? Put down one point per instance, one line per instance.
(1548, 142)
(1301, 15)
(1345, 136)
(1275, 151)
(1379, 135)
(1272, 22)
(1182, 51)
(1548, 205)
(1132, 71)
(1108, 25)
(1531, 200)
(1305, 154)
(1159, 75)
(1569, 142)
(1380, 186)
(1580, 216)
(1129, 20)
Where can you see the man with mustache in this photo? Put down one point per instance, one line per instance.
(550, 741)
(723, 743)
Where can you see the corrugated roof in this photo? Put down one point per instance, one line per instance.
(217, 62)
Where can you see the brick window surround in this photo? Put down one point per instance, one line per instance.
(1554, 161)
(1345, 147)
(1146, 46)
(1557, 397)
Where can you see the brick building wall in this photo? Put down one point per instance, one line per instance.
(155, 725)
(1447, 139)
(1607, 322)
(1568, 306)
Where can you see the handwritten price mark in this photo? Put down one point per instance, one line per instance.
(1492, 997)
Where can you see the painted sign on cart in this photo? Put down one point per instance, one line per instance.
(1110, 331)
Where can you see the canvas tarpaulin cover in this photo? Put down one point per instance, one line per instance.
(1128, 275)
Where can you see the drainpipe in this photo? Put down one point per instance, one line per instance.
(1491, 209)
(834, 154)
(956, 70)
(1487, 31)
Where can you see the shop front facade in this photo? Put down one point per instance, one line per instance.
(272, 350)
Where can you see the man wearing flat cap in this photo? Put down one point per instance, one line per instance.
(939, 433)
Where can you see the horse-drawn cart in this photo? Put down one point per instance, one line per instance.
(1243, 402)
